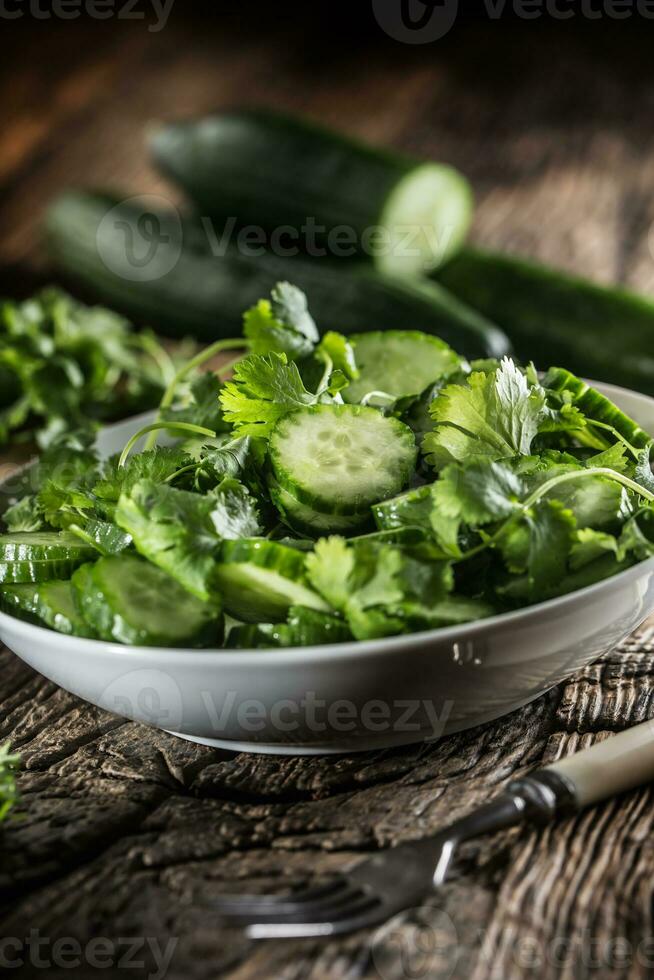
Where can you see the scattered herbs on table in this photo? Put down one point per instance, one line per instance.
(8, 792)
(65, 367)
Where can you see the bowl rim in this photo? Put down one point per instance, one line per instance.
(344, 649)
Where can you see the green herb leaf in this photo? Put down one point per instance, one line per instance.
(264, 389)
(495, 415)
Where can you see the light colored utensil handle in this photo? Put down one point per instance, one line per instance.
(612, 766)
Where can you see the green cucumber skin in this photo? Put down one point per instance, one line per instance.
(19, 572)
(105, 611)
(205, 295)
(551, 317)
(43, 546)
(305, 520)
(273, 171)
(250, 600)
(597, 406)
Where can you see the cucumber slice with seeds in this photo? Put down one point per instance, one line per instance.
(43, 546)
(400, 362)
(131, 601)
(260, 580)
(340, 459)
(306, 520)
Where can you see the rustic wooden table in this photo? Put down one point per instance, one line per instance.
(126, 832)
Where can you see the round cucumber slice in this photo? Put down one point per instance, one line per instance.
(131, 601)
(426, 219)
(260, 580)
(340, 459)
(400, 362)
(306, 520)
(43, 545)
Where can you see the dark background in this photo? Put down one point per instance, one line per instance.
(551, 120)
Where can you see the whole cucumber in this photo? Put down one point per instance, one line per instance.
(554, 318)
(179, 287)
(277, 172)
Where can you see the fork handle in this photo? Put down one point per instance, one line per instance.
(609, 767)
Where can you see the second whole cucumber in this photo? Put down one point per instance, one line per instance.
(599, 332)
(183, 289)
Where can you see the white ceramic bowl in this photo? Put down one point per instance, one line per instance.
(349, 696)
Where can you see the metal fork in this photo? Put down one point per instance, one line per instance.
(400, 878)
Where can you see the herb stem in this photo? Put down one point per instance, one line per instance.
(231, 343)
(155, 426)
(545, 488)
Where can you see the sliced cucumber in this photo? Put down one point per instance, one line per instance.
(597, 407)
(131, 601)
(307, 520)
(50, 603)
(260, 580)
(43, 546)
(304, 627)
(56, 606)
(400, 362)
(20, 601)
(310, 173)
(17, 572)
(340, 459)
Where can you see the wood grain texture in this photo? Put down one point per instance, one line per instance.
(128, 832)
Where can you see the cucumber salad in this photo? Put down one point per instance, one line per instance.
(322, 488)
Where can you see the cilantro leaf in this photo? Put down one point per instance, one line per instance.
(234, 512)
(25, 515)
(156, 465)
(380, 589)
(282, 325)
(539, 545)
(336, 349)
(174, 530)
(264, 389)
(590, 545)
(643, 472)
(496, 415)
